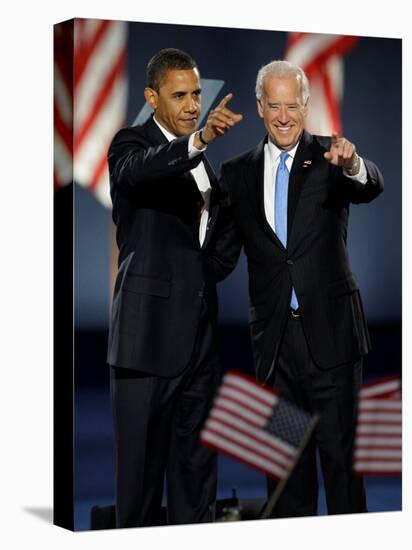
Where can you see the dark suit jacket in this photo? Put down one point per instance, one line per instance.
(316, 261)
(163, 272)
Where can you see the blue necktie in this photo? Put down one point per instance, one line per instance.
(281, 210)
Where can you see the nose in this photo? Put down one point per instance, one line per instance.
(283, 116)
(191, 105)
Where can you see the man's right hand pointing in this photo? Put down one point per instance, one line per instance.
(219, 121)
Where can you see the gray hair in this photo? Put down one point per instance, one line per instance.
(282, 69)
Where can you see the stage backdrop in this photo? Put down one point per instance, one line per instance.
(369, 79)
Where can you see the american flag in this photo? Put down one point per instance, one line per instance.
(321, 57)
(255, 426)
(378, 443)
(90, 93)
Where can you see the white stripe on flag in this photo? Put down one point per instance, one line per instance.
(239, 410)
(251, 388)
(380, 388)
(365, 441)
(309, 47)
(100, 134)
(378, 453)
(99, 65)
(378, 429)
(254, 404)
(380, 416)
(62, 97)
(251, 429)
(63, 161)
(374, 466)
(249, 443)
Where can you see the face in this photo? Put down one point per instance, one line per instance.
(282, 110)
(177, 104)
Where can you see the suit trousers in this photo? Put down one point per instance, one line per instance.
(333, 394)
(157, 422)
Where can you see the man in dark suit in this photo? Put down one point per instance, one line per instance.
(289, 199)
(162, 341)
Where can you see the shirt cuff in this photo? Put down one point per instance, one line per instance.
(194, 151)
(361, 176)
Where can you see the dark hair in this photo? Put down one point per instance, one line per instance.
(166, 60)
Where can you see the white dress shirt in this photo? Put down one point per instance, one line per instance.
(201, 178)
(271, 163)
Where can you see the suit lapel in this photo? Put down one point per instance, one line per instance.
(154, 133)
(300, 168)
(214, 200)
(256, 188)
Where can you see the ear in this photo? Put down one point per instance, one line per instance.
(151, 97)
(305, 108)
(259, 108)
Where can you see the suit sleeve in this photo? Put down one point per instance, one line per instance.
(134, 162)
(357, 192)
(225, 247)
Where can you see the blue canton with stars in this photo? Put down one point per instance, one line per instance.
(288, 422)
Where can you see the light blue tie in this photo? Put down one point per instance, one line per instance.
(281, 210)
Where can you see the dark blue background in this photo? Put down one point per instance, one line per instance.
(371, 114)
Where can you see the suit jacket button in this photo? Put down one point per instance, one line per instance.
(200, 293)
(289, 262)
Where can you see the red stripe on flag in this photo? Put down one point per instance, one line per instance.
(271, 443)
(250, 449)
(339, 47)
(294, 38)
(84, 51)
(250, 381)
(101, 98)
(332, 104)
(64, 131)
(375, 435)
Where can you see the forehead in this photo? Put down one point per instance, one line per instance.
(287, 88)
(183, 80)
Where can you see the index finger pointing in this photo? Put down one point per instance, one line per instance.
(335, 138)
(225, 100)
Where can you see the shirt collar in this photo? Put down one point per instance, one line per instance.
(275, 151)
(169, 136)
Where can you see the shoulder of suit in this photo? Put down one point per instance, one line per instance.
(129, 133)
(238, 160)
(321, 141)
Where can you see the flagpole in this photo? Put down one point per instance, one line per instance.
(267, 510)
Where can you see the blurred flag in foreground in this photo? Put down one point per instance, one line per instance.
(90, 92)
(254, 425)
(321, 57)
(378, 444)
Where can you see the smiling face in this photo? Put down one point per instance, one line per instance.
(282, 110)
(177, 104)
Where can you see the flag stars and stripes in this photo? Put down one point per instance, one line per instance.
(378, 442)
(244, 425)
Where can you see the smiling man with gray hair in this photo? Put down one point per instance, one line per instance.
(289, 201)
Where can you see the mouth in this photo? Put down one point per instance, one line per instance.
(283, 129)
(191, 120)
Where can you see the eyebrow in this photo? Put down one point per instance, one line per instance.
(181, 92)
(279, 103)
